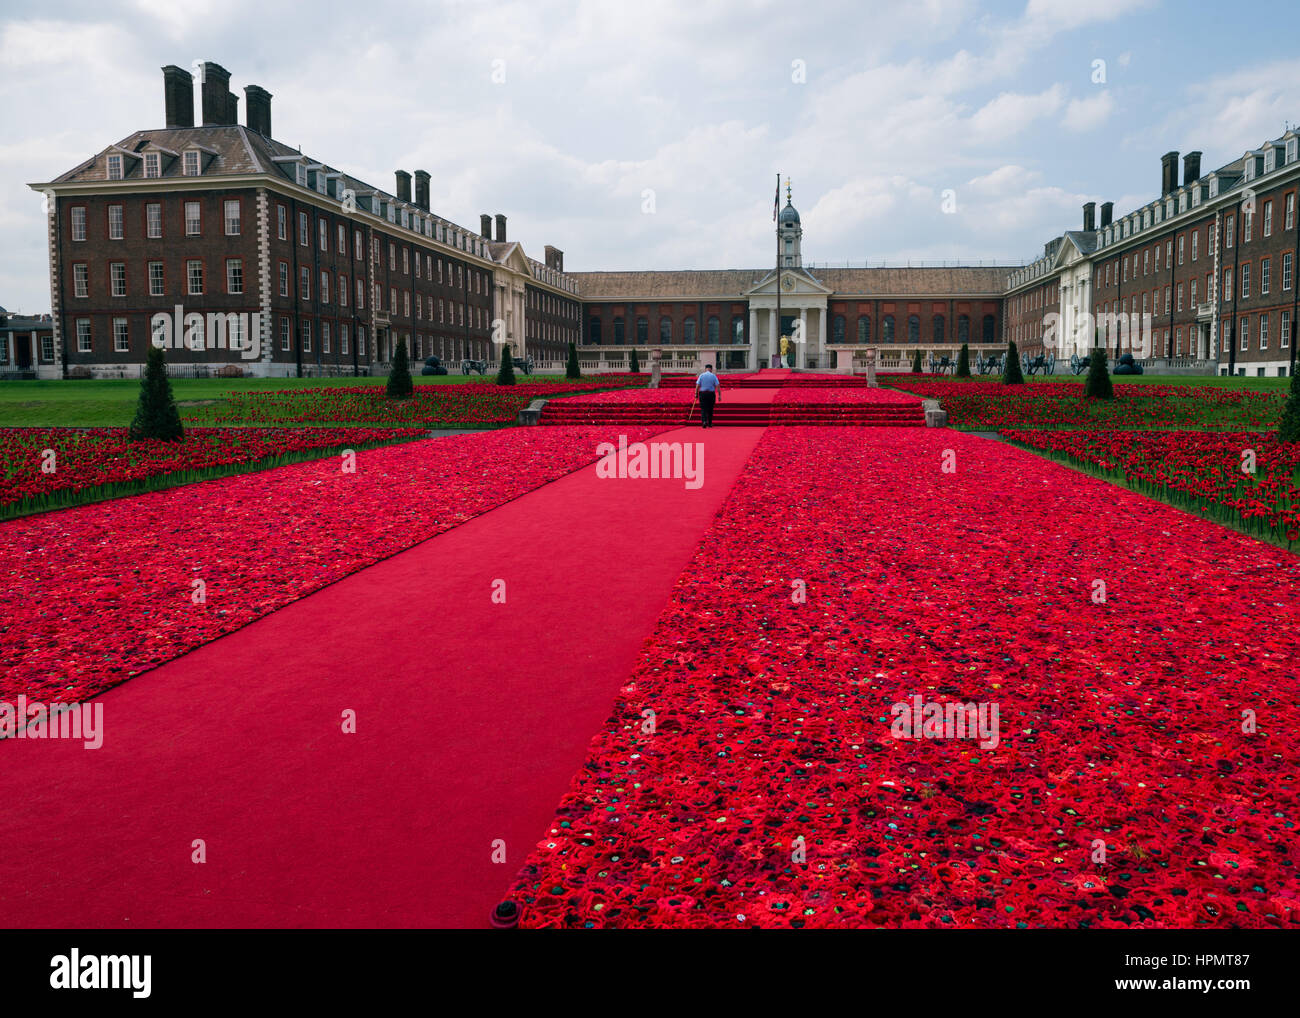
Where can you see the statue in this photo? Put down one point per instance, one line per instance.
(871, 369)
(656, 372)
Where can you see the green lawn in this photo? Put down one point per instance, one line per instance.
(110, 402)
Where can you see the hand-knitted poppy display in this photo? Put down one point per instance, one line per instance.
(1142, 664)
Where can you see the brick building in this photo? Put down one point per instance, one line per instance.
(1203, 274)
(235, 249)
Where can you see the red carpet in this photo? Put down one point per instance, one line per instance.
(472, 718)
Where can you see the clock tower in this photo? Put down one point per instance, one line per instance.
(791, 234)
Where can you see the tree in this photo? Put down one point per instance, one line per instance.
(916, 363)
(506, 373)
(963, 362)
(1012, 374)
(399, 375)
(1098, 385)
(572, 369)
(1289, 429)
(634, 365)
(156, 415)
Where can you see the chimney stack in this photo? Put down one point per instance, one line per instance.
(1168, 173)
(232, 108)
(501, 228)
(422, 189)
(554, 258)
(485, 226)
(178, 96)
(1089, 216)
(1107, 207)
(1191, 167)
(403, 185)
(257, 109)
(216, 95)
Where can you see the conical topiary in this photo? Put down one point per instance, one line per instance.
(1012, 374)
(1098, 385)
(399, 375)
(156, 415)
(963, 362)
(916, 363)
(1289, 429)
(506, 373)
(634, 365)
(572, 369)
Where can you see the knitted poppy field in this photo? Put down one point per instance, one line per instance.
(1141, 660)
(40, 467)
(91, 595)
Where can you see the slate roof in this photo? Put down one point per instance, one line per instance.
(689, 284)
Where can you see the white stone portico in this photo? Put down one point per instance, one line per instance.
(803, 299)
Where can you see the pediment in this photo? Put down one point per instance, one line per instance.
(796, 282)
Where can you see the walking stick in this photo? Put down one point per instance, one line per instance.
(692, 410)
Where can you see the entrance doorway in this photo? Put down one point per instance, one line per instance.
(23, 352)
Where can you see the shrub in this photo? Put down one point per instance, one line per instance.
(634, 365)
(916, 363)
(1098, 385)
(1012, 373)
(506, 373)
(963, 362)
(1288, 430)
(572, 368)
(399, 375)
(156, 415)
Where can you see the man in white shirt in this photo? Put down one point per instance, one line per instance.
(707, 390)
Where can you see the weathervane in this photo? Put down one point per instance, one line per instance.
(787, 191)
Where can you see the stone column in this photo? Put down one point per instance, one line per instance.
(821, 332)
(801, 355)
(753, 356)
(773, 340)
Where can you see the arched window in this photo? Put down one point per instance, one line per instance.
(618, 332)
(837, 329)
(593, 332)
(990, 327)
(642, 330)
(938, 329)
(963, 329)
(887, 330)
(665, 330)
(913, 329)
(713, 328)
(738, 330)
(864, 330)
(688, 330)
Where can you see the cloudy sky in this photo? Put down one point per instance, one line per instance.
(649, 135)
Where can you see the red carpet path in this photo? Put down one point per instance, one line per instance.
(472, 718)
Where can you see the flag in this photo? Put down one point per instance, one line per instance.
(776, 201)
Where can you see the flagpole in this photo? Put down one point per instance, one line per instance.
(776, 340)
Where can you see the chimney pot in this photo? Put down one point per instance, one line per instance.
(216, 95)
(1089, 216)
(1191, 167)
(485, 226)
(422, 189)
(178, 96)
(501, 228)
(403, 185)
(1107, 208)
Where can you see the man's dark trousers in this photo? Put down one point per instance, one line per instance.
(707, 399)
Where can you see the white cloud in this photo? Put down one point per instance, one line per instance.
(1088, 114)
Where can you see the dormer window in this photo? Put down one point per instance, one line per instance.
(1214, 187)
(152, 164)
(406, 220)
(1291, 150)
(1182, 202)
(322, 184)
(1196, 195)
(300, 174)
(1250, 167)
(114, 167)
(1269, 158)
(1169, 208)
(392, 213)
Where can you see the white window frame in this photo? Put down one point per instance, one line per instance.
(191, 163)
